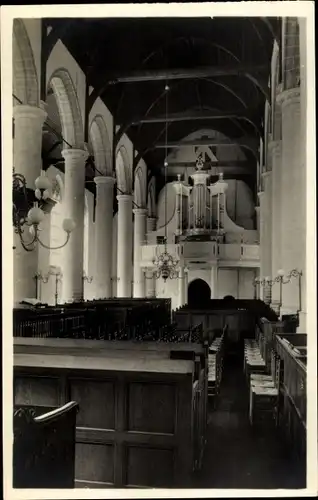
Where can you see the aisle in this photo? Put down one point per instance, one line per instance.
(235, 455)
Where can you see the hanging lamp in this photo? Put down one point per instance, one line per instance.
(165, 264)
(23, 215)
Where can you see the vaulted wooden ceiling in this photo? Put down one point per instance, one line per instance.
(217, 70)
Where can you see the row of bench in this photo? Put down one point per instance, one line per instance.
(262, 387)
(276, 373)
(215, 365)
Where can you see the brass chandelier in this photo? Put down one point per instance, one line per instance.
(28, 209)
(165, 264)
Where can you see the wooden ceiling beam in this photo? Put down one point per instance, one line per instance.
(188, 73)
(244, 165)
(195, 115)
(247, 142)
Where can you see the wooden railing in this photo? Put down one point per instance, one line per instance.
(292, 378)
(44, 446)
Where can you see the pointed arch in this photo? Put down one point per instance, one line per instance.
(152, 197)
(25, 79)
(101, 145)
(140, 187)
(69, 109)
(123, 171)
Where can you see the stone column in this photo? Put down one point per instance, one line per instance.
(303, 178)
(181, 283)
(293, 224)
(124, 246)
(27, 146)
(276, 149)
(214, 282)
(74, 201)
(261, 241)
(151, 224)
(103, 236)
(150, 284)
(267, 232)
(186, 284)
(139, 240)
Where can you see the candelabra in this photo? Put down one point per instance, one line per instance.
(39, 277)
(263, 283)
(58, 279)
(89, 279)
(294, 273)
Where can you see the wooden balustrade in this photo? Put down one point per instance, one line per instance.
(292, 408)
(104, 319)
(44, 446)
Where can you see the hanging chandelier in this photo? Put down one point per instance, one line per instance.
(28, 209)
(165, 264)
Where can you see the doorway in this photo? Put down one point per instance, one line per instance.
(199, 292)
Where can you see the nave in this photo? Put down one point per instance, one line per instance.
(213, 397)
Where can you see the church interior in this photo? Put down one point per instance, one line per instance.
(159, 252)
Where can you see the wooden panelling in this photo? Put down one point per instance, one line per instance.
(94, 462)
(141, 419)
(38, 391)
(151, 407)
(96, 399)
(149, 467)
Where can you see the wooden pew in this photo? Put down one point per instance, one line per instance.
(44, 446)
(141, 422)
(106, 319)
(240, 323)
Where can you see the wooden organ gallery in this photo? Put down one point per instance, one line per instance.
(159, 323)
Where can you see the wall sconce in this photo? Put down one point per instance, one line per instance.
(89, 279)
(294, 273)
(263, 282)
(58, 279)
(28, 209)
(39, 277)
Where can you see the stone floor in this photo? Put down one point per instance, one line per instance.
(236, 455)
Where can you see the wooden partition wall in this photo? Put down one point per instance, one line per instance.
(292, 368)
(238, 323)
(142, 411)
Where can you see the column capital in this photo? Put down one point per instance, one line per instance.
(257, 209)
(104, 180)
(124, 197)
(260, 195)
(27, 111)
(74, 154)
(140, 211)
(289, 96)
